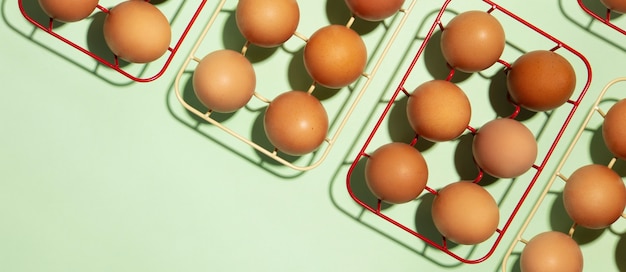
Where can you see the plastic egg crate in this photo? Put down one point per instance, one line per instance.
(604, 15)
(278, 70)
(489, 100)
(586, 148)
(94, 45)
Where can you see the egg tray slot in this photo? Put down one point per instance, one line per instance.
(115, 63)
(606, 19)
(316, 157)
(401, 91)
(550, 187)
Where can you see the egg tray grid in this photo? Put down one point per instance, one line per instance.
(595, 110)
(606, 19)
(115, 65)
(573, 102)
(274, 154)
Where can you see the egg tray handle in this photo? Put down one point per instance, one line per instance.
(557, 174)
(330, 140)
(115, 65)
(539, 168)
(606, 19)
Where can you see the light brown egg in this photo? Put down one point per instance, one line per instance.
(224, 81)
(504, 148)
(594, 196)
(267, 23)
(68, 10)
(296, 123)
(374, 10)
(618, 6)
(472, 41)
(335, 56)
(614, 129)
(541, 80)
(396, 173)
(465, 213)
(137, 31)
(438, 110)
(551, 251)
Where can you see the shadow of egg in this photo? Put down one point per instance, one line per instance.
(600, 154)
(620, 253)
(464, 161)
(359, 187)
(337, 12)
(156, 2)
(299, 78)
(96, 43)
(560, 221)
(435, 62)
(424, 224)
(233, 40)
(190, 97)
(599, 9)
(498, 97)
(35, 12)
(259, 137)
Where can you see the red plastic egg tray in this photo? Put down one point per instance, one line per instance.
(471, 253)
(606, 19)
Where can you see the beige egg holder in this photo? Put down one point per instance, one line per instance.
(558, 174)
(274, 154)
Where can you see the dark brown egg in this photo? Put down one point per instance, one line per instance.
(374, 10)
(68, 10)
(267, 23)
(551, 251)
(614, 129)
(618, 6)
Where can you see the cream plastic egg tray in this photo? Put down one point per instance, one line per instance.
(547, 127)
(605, 18)
(339, 107)
(94, 46)
(587, 145)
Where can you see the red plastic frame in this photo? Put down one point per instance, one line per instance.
(115, 65)
(539, 168)
(606, 19)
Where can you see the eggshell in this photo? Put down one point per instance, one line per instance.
(68, 10)
(465, 213)
(504, 148)
(374, 10)
(551, 251)
(137, 31)
(472, 41)
(224, 81)
(614, 129)
(438, 110)
(296, 123)
(396, 173)
(594, 196)
(267, 23)
(335, 56)
(618, 6)
(541, 80)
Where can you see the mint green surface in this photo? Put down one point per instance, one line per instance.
(98, 173)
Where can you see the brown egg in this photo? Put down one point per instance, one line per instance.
(618, 6)
(267, 23)
(374, 10)
(296, 123)
(472, 41)
(594, 196)
(335, 56)
(137, 31)
(224, 81)
(68, 10)
(541, 80)
(465, 213)
(504, 148)
(614, 129)
(396, 173)
(438, 110)
(551, 251)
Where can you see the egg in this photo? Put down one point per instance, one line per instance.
(541, 80)
(438, 110)
(296, 123)
(267, 23)
(618, 6)
(594, 196)
(374, 10)
(504, 148)
(68, 10)
(396, 173)
(335, 56)
(137, 31)
(224, 80)
(614, 129)
(472, 41)
(465, 213)
(551, 251)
